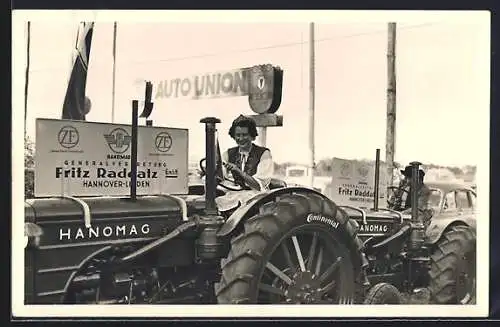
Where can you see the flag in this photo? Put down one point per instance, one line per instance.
(76, 105)
(218, 161)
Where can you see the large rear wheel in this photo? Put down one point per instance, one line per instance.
(453, 267)
(296, 250)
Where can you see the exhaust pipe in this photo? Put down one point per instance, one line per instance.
(377, 180)
(418, 229)
(415, 166)
(210, 168)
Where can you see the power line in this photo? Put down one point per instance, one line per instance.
(270, 47)
(283, 45)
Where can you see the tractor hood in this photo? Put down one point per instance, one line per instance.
(376, 223)
(66, 221)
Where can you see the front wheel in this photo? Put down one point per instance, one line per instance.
(295, 251)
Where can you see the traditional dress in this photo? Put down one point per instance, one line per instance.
(258, 163)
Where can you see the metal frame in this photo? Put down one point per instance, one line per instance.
(363, 213)
(87, 217)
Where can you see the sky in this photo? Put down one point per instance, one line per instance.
(442, 102)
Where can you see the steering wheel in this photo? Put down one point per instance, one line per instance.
(219, 177)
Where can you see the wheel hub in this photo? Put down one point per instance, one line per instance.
(303, 289)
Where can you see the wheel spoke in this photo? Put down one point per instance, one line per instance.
(330, 270)
(327, 287)
(312, 250)
(271, 289)
(299, 254)
(288, 256)
(278, 273)
(319, 262)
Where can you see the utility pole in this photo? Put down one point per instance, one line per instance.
(311, 103)
(27, 77)
(390, 145)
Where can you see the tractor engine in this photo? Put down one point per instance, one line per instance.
(141, 283)
(72, 261)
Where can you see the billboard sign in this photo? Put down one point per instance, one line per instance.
(80, 158)
(262, 84)
(231, 83)
(353, 183)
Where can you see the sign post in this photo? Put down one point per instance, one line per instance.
(133, 157)
(263, 121)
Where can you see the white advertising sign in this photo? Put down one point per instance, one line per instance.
(80, 158)
(353, 183)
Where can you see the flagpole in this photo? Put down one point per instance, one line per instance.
(27, 76)
(114, 75)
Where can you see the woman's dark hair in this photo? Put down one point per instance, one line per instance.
(243, 121)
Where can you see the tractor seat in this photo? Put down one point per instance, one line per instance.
(276, 183)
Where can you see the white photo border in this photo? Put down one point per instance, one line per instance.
(213, 311)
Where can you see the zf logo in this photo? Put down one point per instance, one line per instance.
(345, 169)
(68, 137)
(118, 140)
(363, 171)
(163, 142)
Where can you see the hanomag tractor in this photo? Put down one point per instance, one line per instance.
(287, 245)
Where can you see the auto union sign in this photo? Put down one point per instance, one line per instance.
(261, 83)
(79, 158)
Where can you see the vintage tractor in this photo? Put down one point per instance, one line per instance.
(450, 241)
(287, 245)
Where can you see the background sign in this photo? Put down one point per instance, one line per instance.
(266, 83)
(81, 158)
(262, 84)
(353, 183)
(231, 83)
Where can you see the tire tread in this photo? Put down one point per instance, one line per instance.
(444, 260)
(278, 217)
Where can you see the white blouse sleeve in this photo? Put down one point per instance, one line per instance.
(265, 170)
(225, 158)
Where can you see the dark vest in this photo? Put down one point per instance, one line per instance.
(251, 164)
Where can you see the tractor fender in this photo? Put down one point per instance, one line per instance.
(438, 226)
(240, 213)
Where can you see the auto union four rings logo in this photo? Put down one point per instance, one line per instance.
(163, 142)
(68, 137)
(118, 140)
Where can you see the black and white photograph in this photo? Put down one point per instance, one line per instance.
(233, 163)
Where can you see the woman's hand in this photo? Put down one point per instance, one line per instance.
(232, 168)
(248, 180)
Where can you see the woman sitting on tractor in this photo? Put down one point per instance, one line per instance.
(250, 166)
